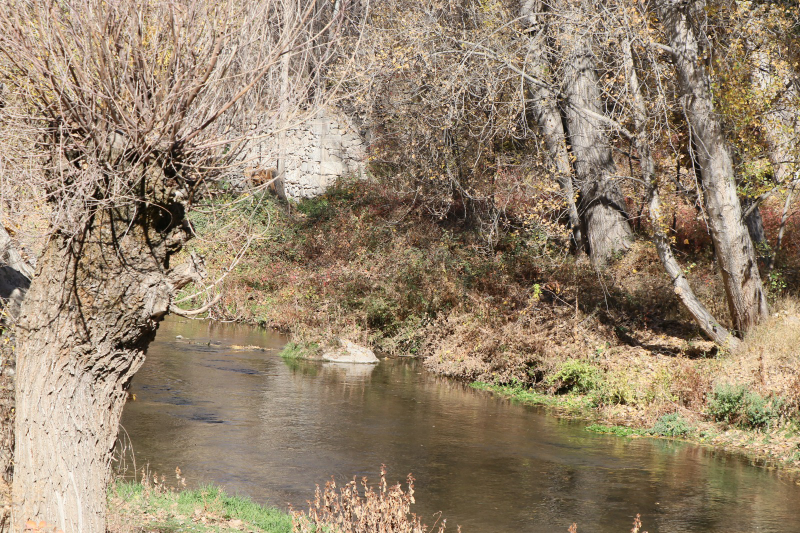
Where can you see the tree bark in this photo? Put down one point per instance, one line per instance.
(755, 228)
(602, 207)
(280, 179)
(734, 249)
(89, 315)
(680, 284)
(787, 204)
(548, 116)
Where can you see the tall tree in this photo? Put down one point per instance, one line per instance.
(137, 101)
(641, 141)
(733, 246)
(602, 206)
(544, 99)
(775, 84)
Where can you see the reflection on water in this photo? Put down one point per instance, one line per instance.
(271, 429)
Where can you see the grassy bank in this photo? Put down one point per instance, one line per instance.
(735, 419)
(136, 507)
(522, 316)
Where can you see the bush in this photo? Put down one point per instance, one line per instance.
(380, 312)
(761, 412)
(346, 510)
(576, 375)
(316, 209)
(726, 403)
(734, 404)
(671, 425)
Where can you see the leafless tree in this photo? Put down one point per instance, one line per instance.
(603, 210)
(545, 102)
(682, 23)
(138, 106)
(631, 39)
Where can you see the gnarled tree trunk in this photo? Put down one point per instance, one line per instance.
(734, 249)
(602, 207)
(89, 315)
(755, 228)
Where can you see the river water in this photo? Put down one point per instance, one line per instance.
(267, 428)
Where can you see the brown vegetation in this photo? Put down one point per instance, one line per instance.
(358, 263)
(503, 149)
(364, 509)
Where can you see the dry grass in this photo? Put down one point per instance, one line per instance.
(769, 358)
(365, 510)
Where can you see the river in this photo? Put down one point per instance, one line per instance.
(270, 429)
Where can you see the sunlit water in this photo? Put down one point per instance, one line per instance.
(270, 429)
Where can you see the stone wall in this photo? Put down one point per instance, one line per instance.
(318, 152)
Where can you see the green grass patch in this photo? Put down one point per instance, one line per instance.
(520, 393)
(207, 509)
(619, 431)
(299, 350)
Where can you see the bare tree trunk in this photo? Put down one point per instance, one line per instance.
(280, 182)
(785, 217)
(755, 228)
(602, 207)
(710, 326)
(89, 315)
(734, 249)
(548, 116)
(680, 284)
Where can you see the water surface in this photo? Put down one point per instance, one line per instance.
(270, 429)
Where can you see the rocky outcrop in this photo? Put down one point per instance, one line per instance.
(350, 352)
(318, 152)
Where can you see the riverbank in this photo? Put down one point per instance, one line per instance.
(152, 507)
(772, 447)
(614, 346)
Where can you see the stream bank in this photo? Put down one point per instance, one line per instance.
(358, 264)
(259, 425)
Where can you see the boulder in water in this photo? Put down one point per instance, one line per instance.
(350, 352)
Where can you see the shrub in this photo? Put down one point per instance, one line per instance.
(316, 209)
(380, 312)
(761, 412)
(726, 403)
(347, 511)
(576, 375)
(671, 425)
(734, 404)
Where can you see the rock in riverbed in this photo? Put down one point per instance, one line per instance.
(350, 352)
